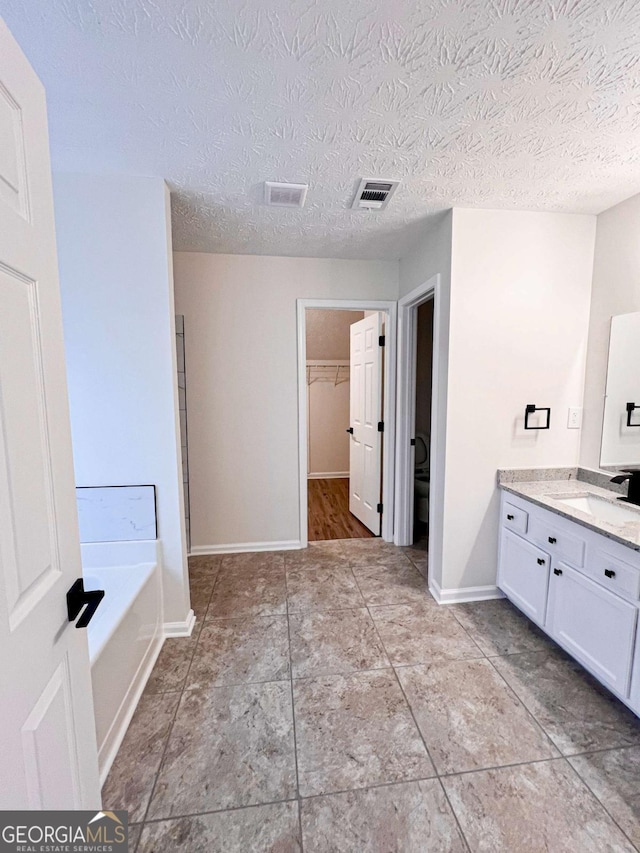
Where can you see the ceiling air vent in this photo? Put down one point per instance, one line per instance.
(285, 195)
(374, 195)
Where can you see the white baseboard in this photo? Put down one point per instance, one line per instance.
(118, 730)
(180, 629)
(463, 594)
(329, 475)
(242, 547)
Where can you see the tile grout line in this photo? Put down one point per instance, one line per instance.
(173, 718)
(599, 801)
(415, 723)
(528, 711)
(293, 715)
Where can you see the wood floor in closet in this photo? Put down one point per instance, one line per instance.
(329, 516)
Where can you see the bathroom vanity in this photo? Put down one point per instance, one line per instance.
(569, 559)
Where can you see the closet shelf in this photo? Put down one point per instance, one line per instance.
(335, 372)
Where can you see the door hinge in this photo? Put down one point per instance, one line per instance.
(380, 426)
(379, 509)
(381, 340)
(412, 442)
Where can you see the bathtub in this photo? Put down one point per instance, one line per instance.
(125, 635)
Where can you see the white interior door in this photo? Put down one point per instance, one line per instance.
(365, 447)
(48, 743)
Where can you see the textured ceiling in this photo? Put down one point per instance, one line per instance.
(487, 103)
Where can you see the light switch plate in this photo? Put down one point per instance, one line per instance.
(574, 420)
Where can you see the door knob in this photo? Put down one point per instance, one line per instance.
(350, 429)
(77, 598)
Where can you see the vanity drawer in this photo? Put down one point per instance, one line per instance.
(614, 574)
(557, 541)
(515, 518)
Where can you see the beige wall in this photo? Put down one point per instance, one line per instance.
(241, 358)
(328, 338)
(520, 295)
(616, 290)
(328, 333)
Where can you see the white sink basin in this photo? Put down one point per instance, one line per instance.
(603, 509)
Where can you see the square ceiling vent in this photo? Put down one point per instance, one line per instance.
(285, 195)
(374, 194)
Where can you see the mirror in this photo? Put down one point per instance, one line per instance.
(620, 447)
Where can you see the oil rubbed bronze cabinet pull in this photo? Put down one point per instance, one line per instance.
(510, 517)
(557, 572)
(609, 573)
(552, 540)
(540, 561)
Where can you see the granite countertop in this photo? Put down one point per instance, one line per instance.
(547, 486)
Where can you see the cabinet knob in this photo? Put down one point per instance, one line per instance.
(557, 572)
(609, 573)
(509, 518)
(552, 540)
(540, 561)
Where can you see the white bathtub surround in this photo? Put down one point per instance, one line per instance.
(116, 513)
(125, 635)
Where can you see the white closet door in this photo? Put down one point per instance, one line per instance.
(365, 454)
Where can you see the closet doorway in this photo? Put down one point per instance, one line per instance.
(342, 422)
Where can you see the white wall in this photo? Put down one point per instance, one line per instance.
(520, 296)
(241, 354)
(616, 290)
(430, 257)
(114, 249)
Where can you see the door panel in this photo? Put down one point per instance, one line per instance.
(593, 624)
(365, 453)
(48, 744)
(523, 574)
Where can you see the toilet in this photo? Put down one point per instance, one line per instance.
(421, 478)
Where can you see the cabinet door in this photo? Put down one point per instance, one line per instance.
(594, 625)
(523, 575)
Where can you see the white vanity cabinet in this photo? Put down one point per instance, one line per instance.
(579, 586)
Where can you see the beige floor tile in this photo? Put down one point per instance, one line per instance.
(353, 731)
(318, 555)
(322, 589)
(229, 746)
(200, 590)
(130, 780)
(614, 777)
(499, 628)
(530, 809)
(259, 562)
(171, 668)
(576, 712)
(257, 829)
(392, 584)
(134, 837)
(237, 651)
(412, 817)
(204, 567)
(334, 641)
(239, 594)
(419, 633)
(469, 718)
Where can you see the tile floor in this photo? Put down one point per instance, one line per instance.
(326, 703)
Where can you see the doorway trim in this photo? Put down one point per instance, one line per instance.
(390, 309)
(405, 421)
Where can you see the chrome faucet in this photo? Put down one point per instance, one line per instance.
(633, 476)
